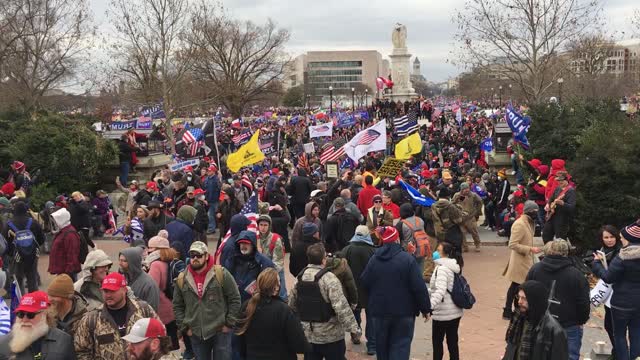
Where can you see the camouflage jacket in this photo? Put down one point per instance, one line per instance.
(343, 321)
(97, 336)
(445, 215)
(471, 205)
(277, 255)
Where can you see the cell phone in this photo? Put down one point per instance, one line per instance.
(604, 258)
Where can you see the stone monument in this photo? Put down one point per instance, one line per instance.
(400, 66)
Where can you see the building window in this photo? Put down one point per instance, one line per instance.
(335, 64)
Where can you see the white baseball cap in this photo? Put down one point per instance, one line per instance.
(144, 329)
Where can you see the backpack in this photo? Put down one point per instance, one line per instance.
(272, 245)
(310, 304)
(421, 239)
(25, 240)
(461, 292)
(176, 266)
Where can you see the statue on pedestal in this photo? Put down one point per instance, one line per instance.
(399, 36)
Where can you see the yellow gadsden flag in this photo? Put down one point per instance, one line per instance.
(408, 146)
(248, 154)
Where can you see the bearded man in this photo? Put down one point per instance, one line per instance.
(148, 340)
(32, 336)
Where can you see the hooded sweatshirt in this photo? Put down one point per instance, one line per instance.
(64, 257)
(246, 268)
(238, 224)
(181, 230)
(277, 254)
(142, 285)
(296, 235)
(556, 166)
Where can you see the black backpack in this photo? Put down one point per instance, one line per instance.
(176, 266)
(310, 304)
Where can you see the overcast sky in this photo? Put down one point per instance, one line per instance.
(360, 25)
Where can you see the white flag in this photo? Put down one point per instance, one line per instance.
(373, 138)
(321, 130)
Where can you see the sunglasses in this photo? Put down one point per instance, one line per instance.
(30, 316)
(377, 202)
(196, 255)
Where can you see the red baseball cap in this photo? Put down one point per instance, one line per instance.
(143, 329)
(114, 281)
(34, 302)
(151, 185)
(212, 168)
(188, 169)
(199, 192)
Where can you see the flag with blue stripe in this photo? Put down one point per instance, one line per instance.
(519, 126)
(416, 196)
(487, 145)
(406, 125)
(16, 295)
(153, 111)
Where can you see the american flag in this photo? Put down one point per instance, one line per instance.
(329, 152)
(193, 138)
(369, 137)
(238, 139)
(302, 161)
(436, 114)
(406, 125)
(250, 210)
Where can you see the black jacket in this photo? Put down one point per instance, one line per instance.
(549, 342)
(358, 255)
(142, 197)
(300, 189)
(339, 229)
(152, 226)
(20, 222)
(571, 289)
(80, 214)
(125, 151)
(624, 274)
(298, 258)
(275, 332)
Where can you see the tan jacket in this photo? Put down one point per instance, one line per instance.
(520, 243)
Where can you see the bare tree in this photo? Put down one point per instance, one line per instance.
(588, 63)
(520, 40)
(150, 48)
(42, 46)
(239, 59)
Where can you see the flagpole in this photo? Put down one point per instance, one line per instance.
(278, 147)
(215, 140)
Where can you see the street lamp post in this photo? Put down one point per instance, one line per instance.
(560, 82)
(493, 103)
(308, 101)
(353, 99)
(510, 93)
(500, 88)
(366, 97)
(330, 99)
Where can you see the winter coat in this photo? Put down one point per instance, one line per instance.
(445, 215)
(298, 258)
(571, 289)
(125, 151)
(140, 282)
(201, 223)
(331, 290)
(142, 197)
(357, 254)
(212, 187)
(440, 286)
(227, 209)
(56, 345)
(153, 225)
(624, 275)
(219, 305)
(340, 268)
(91, 291)
(471, 205)
(181, 232)
(339, 229)
(238, 224)
(350, 207)
(97, 336)
(158, 272)
(549, 342)
(64, 256)
(296, 234)
(520, 243)
(277, 254)
(391, 270)
(70, 323)
(20, 222)
(365, 198)
(275, 332)
(80, 214)
(300, 188)
(246, 268)
(556, 166)
(100, 205)
(387, 220)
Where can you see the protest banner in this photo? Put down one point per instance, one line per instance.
(268, 143)
(332, 169)
(183, 164)
(309, 148)
(390, 168)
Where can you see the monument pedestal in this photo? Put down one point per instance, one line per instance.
(400, 74)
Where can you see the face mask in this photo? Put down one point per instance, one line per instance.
(189, 178)
(533, 215)
(245, 251)
(200, 197)
(436, 255)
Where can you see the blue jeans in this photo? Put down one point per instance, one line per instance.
(283, 287)
(574, 341)
(124, 173)
(393, 337)
(370, 329)
(213, 207)
(217, 347)
(623, 321)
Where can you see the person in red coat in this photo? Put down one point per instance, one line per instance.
(365, 197)
(64, 257)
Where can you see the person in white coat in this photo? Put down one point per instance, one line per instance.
(446, 315)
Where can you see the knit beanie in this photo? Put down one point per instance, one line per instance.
(631, 233)
(388, 234)
(264, 218)
(530, 206)
(159, 242)
(187, 214)
(309, 228)
(61, 286)
(163, 233)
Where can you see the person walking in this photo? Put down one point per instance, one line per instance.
(446, 315)
(67, 306)
(148, 340)
(64, 257)
(340, 227)
(522, 254)
(142, 285)
(571, 290)
(270, 329)
(299, 188)
(95, 268)
(622, 274)
(213, 187)
(270, 245)
(391, 270)
(471, 205)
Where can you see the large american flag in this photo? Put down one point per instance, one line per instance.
(193, 138)
(241, 137)
(369, 137)
(250, 210)
(332, 151)
(406, 125)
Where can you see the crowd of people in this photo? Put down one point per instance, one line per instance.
(351, 242)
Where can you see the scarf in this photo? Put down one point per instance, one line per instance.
(520, 334)
(146, 263)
